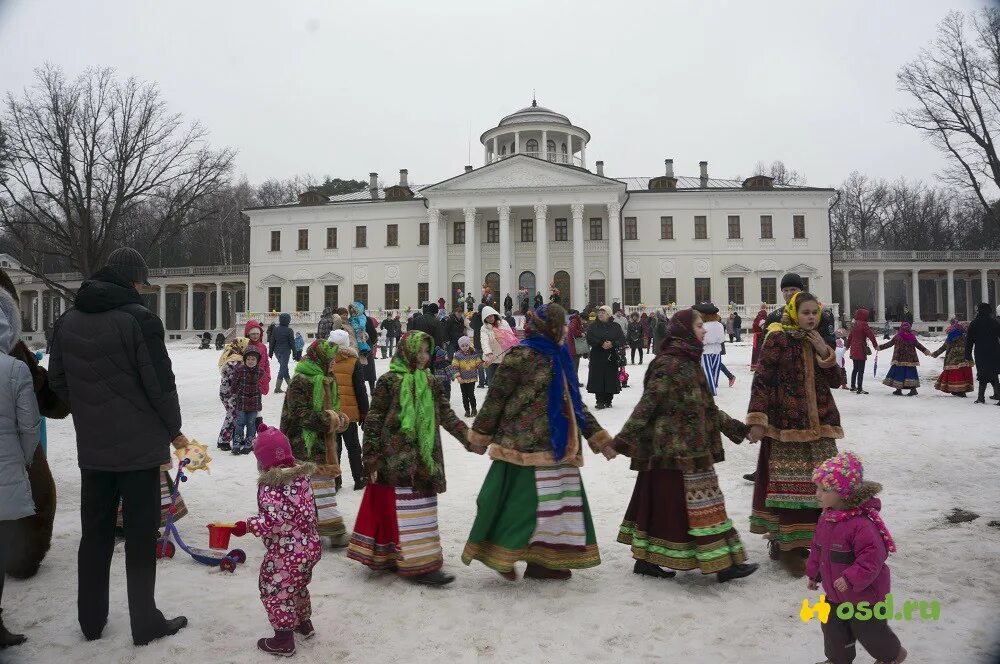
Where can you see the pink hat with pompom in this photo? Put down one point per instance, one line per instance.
(272, 448)
(843, 473)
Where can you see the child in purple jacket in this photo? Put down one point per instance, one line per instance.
(848, 556)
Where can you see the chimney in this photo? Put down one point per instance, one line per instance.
(373, 185)
(468, 169)
(669, 163)
(600, 168)
(704, 174)
(402, 177)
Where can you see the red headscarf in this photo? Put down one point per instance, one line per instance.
(680, 339)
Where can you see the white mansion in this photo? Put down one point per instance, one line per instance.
(534, 214)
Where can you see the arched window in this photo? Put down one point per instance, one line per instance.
(527, 282)
(493, 281)
(531, 146)
(562, 283)
(550, 149)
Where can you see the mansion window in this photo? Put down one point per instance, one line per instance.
(666, 228)
(596, 291)
(734, 227)
(550, 148)
(392, 237)
(736, 290)
(331, 238)
(275, 240)
(766, 227)
(531, 146)
(303, 239)
(458, 235)
(769, 290)
(302, 298)
(425, 234)
(632, 292)
(631, 229)
(668, 290)
(702, 289)
(799, 226)
(331, 296)
(361, 293)
(391, 296)
(700, 229)
(361, 239)
(527, 230)
(492, 231)
(596, 228)
(274, 298)
(562, 230)
(423, 290)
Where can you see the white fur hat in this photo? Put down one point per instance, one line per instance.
(339, 337)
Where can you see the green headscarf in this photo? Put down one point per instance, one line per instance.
(314, 369)
(416, 400)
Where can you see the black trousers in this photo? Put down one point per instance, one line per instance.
(858, 374)
(6, 534)
(993, 380)
(351, 439)
(139, 492)
(468, 395)
(841, 636)
(605, 397)
(636, 348)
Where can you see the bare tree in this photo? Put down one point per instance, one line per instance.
(780, 173)
(956, 86)
(98, 162)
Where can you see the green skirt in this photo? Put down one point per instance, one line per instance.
(534, 514)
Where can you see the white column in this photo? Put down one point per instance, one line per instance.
(916, 296)
(472, 284)
(544, 148)
(969, 308)
(517, 142)
(985, 285)
(880, 283)
(542, 276)
(486, 152)
(218, 306)
(190, 307)
(503, 211)
(951, 294)
(614, 253)
(583, 153)
(847, 290)
(579, 278)
(208, 311)
(161, 304)
(569, 148)
(433, 255)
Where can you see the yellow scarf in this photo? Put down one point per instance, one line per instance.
(790, 319)
(233, 352)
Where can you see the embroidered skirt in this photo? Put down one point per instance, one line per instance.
(166, 487)
(784, 496)
(902, 377)
(956, 380)
(397, 529)
(534, 514)
(678, 520)
(329, 522)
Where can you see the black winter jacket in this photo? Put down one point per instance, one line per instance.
(110, 364)
(282, 339)
(983, 342)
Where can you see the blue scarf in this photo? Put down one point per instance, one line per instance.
(562, 366)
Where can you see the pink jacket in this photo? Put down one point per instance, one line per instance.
(265, 363)
(287, 519)
(852, 548)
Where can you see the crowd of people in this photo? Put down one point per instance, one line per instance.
(811, 502)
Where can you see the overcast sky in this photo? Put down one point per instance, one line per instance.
(344, 88)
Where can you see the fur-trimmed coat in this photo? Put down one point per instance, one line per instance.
(791, 394)
(514, 421)
(297, 414)
(389, 455)
(676, 424)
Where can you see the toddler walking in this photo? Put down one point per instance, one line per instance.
(287, 525)
(465, 365)
(848, 557)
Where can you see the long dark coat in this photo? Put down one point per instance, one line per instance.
(983, 343)
(604, 364)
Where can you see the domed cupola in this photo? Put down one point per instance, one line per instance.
(538, 132)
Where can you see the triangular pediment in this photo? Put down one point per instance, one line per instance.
(521, 172)
(330, 277)
(736, 268)
(802, 268)
(272, 280)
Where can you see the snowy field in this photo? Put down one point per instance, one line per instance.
(932, 453)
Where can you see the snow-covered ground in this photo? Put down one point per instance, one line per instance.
(932, 453)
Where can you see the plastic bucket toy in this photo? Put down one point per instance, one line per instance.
(218, 535)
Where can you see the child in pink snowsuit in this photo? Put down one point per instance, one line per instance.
(287, 525)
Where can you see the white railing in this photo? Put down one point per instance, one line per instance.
(893, 255)
(555, 157)
(309, 317)
(747, 312)
(187, 271)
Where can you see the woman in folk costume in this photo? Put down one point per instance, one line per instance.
(793, 413)
(532, 506)
(956, 378)
(758, 335)
(903, 373)
(231, 358)
(397, 527)
(677, 515)
(311, 419)
(715, 336)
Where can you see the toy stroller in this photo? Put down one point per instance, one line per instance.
(165, 547)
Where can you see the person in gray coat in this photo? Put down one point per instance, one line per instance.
(20, 429)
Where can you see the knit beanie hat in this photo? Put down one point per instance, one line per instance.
(130, 264)
(340, 338)
(845, 474)
(464, 342)
(792, 280)
(272, 448)
(251, 350)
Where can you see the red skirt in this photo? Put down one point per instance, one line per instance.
(397, 530)
(955, 381)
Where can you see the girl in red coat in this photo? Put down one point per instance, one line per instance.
(254, 332)
(857, 344)
(758, 335)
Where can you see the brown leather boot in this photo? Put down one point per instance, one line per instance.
(794, 561)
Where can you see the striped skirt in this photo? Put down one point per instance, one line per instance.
(712, 364)
(329, 522)
(784, 496)
(532, 514)
(397, 529)
(678, 520)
